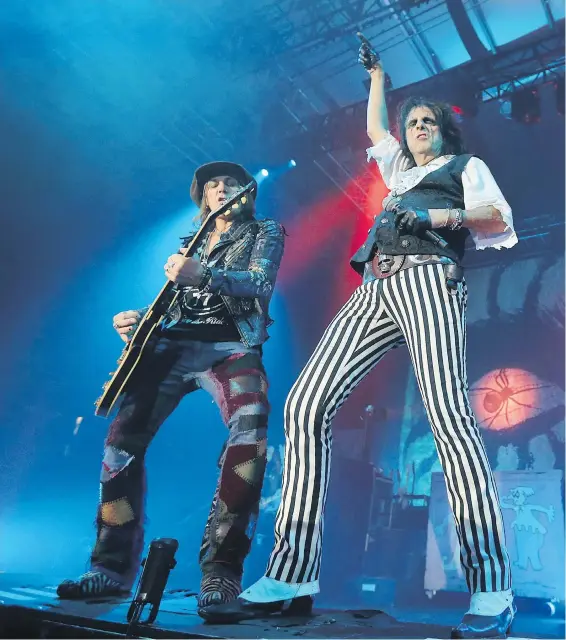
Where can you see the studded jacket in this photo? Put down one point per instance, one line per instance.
(244, 267)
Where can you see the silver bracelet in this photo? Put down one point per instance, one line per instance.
(458, 219)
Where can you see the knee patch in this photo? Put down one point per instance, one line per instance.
(243, 385)
(114, 461)
(116, 513)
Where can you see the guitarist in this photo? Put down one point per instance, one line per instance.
(211, 339)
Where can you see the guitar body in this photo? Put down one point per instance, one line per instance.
(127, 362)
(149, 324)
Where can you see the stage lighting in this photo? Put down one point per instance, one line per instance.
(264, 173)
(525, 106)
(464, 96)
(505, 108)
(292, 163)
(458, 113)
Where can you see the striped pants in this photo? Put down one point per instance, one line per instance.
(412, 307)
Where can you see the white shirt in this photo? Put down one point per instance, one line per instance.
(480, 188)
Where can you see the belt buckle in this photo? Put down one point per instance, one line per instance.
(384, 266)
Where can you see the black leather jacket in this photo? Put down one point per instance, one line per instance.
(244, 267)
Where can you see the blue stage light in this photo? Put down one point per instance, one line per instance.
(292, 163)
(264, 172)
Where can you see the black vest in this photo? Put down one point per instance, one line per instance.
(440, 189)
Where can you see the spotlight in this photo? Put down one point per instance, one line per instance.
(458, 113)
(464, 96)
(525, 106)
(292, 163)
(264, 173)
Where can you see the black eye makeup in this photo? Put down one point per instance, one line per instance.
(413, 123)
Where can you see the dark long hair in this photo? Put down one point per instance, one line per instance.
(247, 211)
(452, 143)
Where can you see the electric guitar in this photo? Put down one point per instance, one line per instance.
(166, 298)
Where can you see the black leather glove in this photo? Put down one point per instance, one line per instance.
(368, 57)
(415, 222)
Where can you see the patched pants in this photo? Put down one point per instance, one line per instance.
(234, 376)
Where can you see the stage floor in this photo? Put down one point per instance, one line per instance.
(29, 608)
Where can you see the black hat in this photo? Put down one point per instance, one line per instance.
(212, 169)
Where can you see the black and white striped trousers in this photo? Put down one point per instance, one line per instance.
(414, 307)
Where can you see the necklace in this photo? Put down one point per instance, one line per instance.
(206, 248)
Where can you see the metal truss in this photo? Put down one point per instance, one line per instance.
(548, 13)
(306, 26)
(291, 30)
(531, 62)
(503, 90)
(328, 136)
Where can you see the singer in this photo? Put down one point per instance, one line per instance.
(212, 340)
(405, 299)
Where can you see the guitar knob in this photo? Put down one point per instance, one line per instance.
(244, 200)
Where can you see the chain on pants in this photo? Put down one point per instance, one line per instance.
(412, 307)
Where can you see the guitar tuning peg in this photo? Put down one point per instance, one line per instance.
(111, 373)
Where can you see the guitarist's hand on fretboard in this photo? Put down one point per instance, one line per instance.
(125, 324)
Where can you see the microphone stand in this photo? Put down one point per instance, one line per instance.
(156, 568)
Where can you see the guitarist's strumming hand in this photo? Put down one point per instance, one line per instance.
(183, 271)
(125, 324)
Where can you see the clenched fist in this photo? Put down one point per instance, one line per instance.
(125, 324)
(412, 221)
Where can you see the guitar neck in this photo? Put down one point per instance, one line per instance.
(162, 297)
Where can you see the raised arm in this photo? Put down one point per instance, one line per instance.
(377, 119)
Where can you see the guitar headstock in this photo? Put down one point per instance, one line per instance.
(233, 205)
